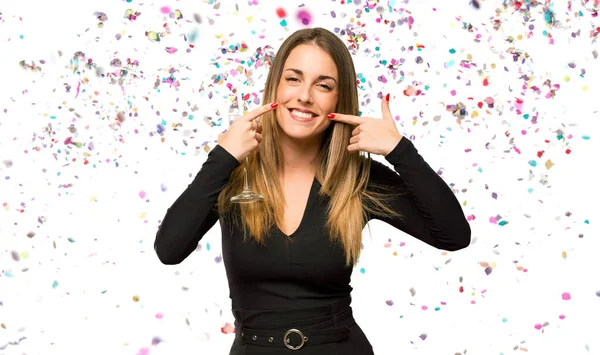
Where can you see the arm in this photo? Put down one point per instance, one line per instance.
(194, 212)
(431, 212)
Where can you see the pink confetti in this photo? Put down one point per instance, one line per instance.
(566, 296)
(142, 194)
(78, 88)
(227, 329)
(519, 104)
(304, 17)
(165, 9)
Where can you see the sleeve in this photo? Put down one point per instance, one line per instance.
(430, 211)
(194, 212)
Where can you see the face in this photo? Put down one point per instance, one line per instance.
(307, 93)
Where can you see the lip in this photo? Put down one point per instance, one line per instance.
(300, 119)
(302, 110)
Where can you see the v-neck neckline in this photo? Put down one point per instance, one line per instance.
(309, 201)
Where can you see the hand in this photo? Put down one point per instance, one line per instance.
(244, 134)
(373, 135)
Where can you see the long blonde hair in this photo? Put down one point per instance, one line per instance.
(343, 175)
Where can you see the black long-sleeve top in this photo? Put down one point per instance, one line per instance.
(305, 269)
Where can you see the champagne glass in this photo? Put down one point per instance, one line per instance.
(247, 195)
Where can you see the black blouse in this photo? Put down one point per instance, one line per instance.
(305, 269)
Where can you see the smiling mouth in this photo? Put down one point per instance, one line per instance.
(302, 116)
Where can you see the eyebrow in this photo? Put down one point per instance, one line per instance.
(321, 77)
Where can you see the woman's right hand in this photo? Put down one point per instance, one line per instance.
(245, 134)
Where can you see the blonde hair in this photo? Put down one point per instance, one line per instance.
(343, 175)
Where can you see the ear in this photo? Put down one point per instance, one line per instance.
(385, 108)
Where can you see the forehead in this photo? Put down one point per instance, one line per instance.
(311, 60)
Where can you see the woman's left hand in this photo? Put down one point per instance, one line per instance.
(373, 135)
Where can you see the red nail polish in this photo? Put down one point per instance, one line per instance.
(387, 97)
(331, 115)
(274, 104)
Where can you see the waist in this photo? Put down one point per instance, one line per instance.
(295, 328)
(244, 316)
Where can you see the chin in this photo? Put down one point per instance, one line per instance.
(303, 132)
(296, 132)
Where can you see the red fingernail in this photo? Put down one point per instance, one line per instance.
(274, 104)
(331, 115)
(387, 97)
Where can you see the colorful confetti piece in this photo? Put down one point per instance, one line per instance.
(106, 120)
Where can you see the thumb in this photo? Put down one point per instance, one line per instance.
(385, 108)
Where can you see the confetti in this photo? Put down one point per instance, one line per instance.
(109, 120)
(153, 36)
(227, 329)
(131, 15)
(281, 13)
(304, 17)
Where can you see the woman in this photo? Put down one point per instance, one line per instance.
(289, 259)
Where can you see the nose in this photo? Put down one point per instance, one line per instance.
(305, 95)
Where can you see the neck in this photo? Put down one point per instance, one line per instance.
(299, 156)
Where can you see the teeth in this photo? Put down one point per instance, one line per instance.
(302, 114)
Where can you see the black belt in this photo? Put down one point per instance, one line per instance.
(295, 328)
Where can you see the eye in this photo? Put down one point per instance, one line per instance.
(324, 86)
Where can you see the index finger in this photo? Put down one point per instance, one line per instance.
(252, 115)
(350, 119)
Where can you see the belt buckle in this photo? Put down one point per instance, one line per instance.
(286, 340)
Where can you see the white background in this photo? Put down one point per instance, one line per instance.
(92, 233)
